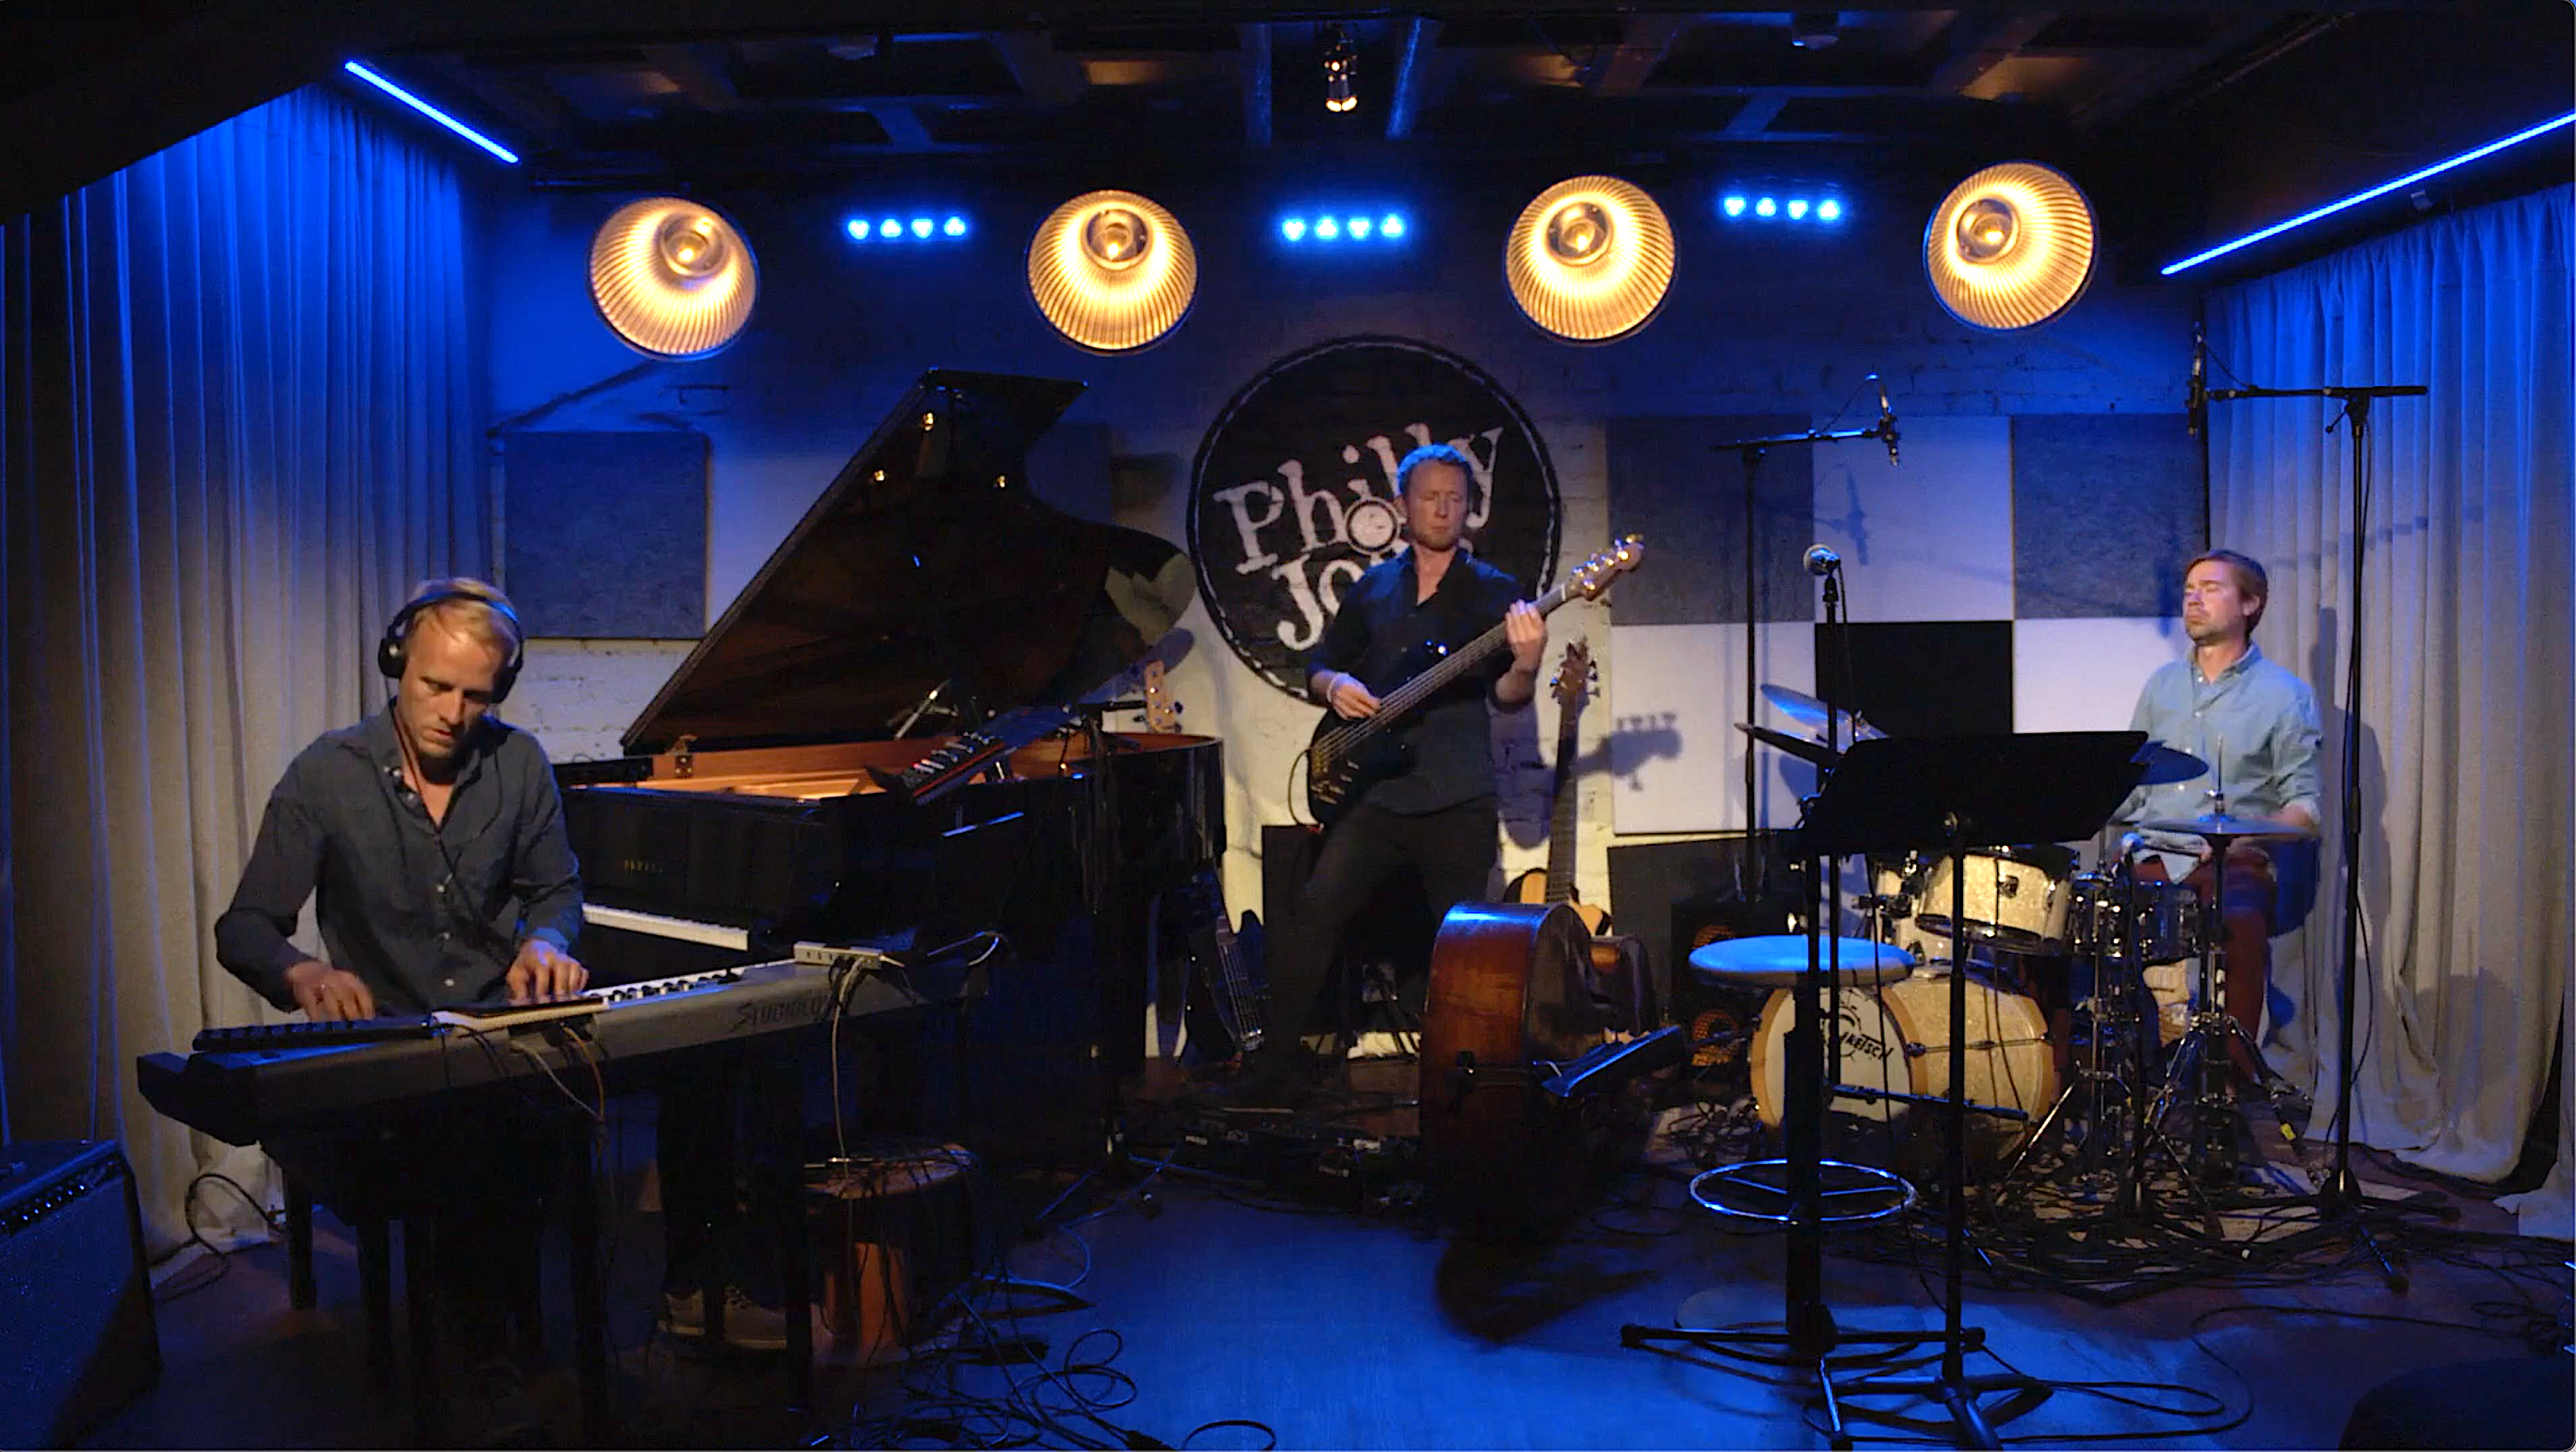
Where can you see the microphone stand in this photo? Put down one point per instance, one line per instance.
(1752, 452)
(2340, 1197)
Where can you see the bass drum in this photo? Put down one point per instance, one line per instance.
(1899, 1039)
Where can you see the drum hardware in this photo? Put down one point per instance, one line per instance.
(1897, 793)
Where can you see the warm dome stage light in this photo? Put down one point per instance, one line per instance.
(2010, 247)
(1590, 259)
(1112, 271)
(672, 278)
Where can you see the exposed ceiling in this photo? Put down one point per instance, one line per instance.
(629, 93)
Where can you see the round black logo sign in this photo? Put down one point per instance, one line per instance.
(1293, 494)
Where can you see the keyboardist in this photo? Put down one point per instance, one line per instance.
(430, 836)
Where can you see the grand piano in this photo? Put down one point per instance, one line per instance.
(781, 787)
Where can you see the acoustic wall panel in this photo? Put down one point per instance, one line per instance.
(1670, 484)
(2107, 509)
(606, 533)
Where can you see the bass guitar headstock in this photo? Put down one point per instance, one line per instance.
(1586, 581)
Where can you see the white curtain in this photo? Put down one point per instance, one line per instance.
(238, 420)
(2465, 625)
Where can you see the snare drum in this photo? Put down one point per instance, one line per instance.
(2165, 915)
(2017, 897)
(1899, 1039)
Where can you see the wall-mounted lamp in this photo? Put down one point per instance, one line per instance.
(2011, 247)
(1112, 271)
(1590, 259)
(672, 278)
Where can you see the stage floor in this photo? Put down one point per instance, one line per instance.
(1341, 1327)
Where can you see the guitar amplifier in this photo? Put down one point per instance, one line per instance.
(82, 1341)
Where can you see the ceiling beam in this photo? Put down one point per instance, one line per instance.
(1254, 50)
(1412, 59)
(699, 75)
(2147, 83)
(1979, 41)
(536, 116)
(1043, 72)
(1623, 69)
(1755, 118)
(902, 123)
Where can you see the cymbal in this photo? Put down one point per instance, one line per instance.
(1809, 712)
(1797, 746)
(2166, 766)
(2227, 828)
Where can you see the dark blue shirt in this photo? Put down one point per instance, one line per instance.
(1379, 635)
(427, 915)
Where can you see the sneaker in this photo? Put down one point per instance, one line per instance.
(748, 1324)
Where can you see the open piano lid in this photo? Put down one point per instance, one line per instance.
(928, 561)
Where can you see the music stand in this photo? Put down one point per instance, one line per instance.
(1894, 794)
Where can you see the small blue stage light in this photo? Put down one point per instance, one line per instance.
(859, 229)
(1328, 229)
(1829, 210)
(1732, 206)
(1391, 227)
(954, 227)
(1797, 209)
(1359, 226)
(1765, 207)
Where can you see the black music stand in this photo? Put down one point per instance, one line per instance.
(1893, 794)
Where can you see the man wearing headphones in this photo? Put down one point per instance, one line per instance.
(430, 834)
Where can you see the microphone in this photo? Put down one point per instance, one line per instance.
(2196, 407)
(1821, 560)
(1886, 419)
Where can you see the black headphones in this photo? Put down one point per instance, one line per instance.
(389, 650)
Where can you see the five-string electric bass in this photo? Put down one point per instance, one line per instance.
(1346, 758)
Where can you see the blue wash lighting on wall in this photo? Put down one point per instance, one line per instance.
(430, 111)
(2357, 198)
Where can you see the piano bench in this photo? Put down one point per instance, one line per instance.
(471, 1203)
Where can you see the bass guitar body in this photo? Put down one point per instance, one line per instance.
(1509, 1002)
(1340, 771)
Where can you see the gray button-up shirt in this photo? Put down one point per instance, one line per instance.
(427, 915)
(2256, 724)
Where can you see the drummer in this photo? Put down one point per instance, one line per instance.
(2256, 724)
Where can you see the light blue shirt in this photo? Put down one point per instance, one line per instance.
(2256, 724)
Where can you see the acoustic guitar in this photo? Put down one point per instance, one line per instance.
(1346, 758)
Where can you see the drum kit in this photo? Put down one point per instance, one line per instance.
(2083, 1016)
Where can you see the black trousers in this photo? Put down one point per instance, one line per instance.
(1452, 849)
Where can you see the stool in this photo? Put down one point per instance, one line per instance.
(1758, 1189)
(893, 1232)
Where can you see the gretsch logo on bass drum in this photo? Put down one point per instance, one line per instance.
(1293, 493)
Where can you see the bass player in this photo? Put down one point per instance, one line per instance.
(1437, 815)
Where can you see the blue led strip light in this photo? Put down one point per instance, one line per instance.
(2357, 198)
(430, 111)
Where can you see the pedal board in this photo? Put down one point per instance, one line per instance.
(1300, 1156)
